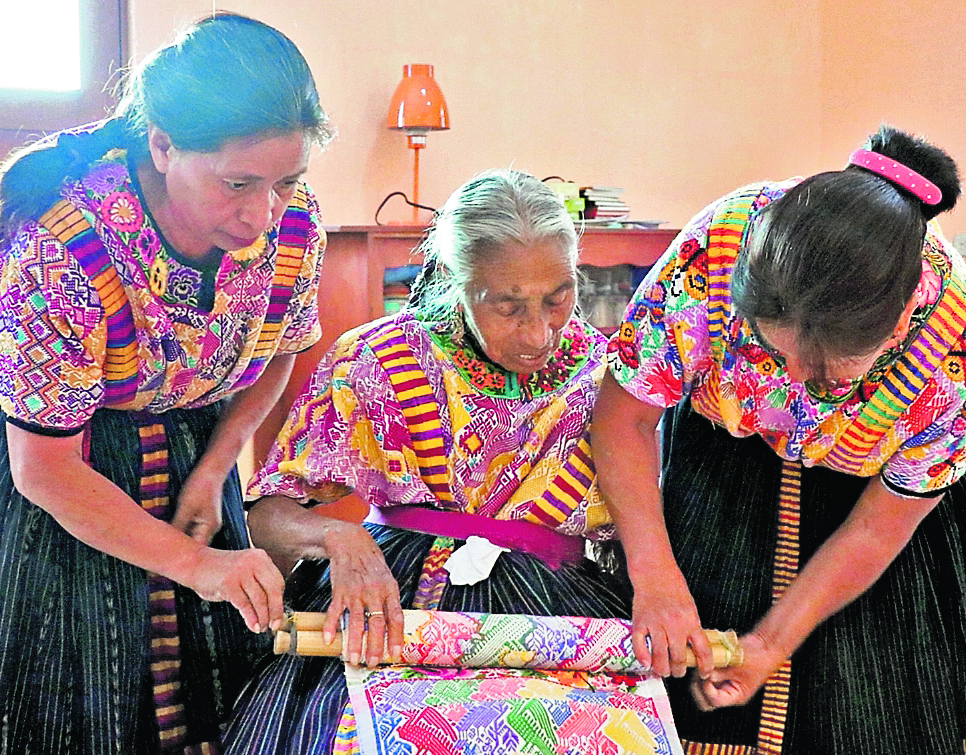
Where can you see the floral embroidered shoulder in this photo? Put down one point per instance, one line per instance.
(399, 412)
(199, 332)
(904, 420)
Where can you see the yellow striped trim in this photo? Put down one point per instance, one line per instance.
(288, 262)
(418, 391)
(724, 240)
(902, 385)
(64, 221)
(419, 427)
(177, 731)
(560, 494)
(428, 450)
(774, 707)
(701, 748)
(110, 288)
(164, 642)
(165, 665)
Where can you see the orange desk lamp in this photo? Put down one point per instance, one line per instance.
(417, 108)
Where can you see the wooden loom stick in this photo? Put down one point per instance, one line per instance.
(307, 628)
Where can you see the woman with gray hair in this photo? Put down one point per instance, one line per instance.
(452, 420)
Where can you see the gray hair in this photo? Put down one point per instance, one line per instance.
(492, 209)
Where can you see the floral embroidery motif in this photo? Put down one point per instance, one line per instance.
(623, 345)
(158, 276)
(490, 378)
(251, 251)
(122, 212)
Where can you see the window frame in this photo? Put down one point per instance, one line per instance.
(104, 46)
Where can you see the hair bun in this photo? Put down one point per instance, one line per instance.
(924, 158)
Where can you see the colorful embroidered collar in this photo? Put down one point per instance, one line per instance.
(490, 378)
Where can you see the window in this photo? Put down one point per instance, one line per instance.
(59, 63)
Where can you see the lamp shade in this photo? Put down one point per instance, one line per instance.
(418, 105)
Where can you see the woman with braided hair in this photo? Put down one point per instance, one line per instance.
(804, 343)
(159, 273)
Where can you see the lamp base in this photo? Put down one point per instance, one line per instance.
(416, 146)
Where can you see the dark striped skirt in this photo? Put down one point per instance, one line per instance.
(294, 704)
(887, 674)
(74, 636)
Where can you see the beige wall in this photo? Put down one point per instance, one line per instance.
(677, 102)
(900, 61)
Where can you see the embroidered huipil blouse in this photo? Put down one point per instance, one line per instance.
(196, 328)
(403, 415)
(669, 346)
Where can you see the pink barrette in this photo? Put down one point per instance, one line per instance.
(898, 173)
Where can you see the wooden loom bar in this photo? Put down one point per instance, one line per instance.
(307, 630)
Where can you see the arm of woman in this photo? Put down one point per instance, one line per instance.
(624, 440)
(845, 566)
(198, 512)
(361, 581)
(95, 511)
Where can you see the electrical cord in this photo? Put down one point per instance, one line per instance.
(405, 198)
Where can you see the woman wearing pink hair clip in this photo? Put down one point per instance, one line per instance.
(803, 342)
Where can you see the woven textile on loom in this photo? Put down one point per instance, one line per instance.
(487, 684)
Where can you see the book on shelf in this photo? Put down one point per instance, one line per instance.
(604, 202)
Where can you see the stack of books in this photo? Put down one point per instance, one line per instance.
(604, 203)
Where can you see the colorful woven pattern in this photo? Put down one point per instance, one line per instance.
(496, 683)
(904, 383)
(902, 419)
(293, 235)
(67, 223)
(433, 578)
(419, 408)
(90, 273)
(477, 640)
(504, 711)
(389, 414)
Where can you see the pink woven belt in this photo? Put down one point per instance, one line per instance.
(551, 547)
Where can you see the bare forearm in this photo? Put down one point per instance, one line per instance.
(626, 459)
(242, 415)
(288, 531)
(51, 473)
(626, 455)
(844, 567)
(98, 513)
